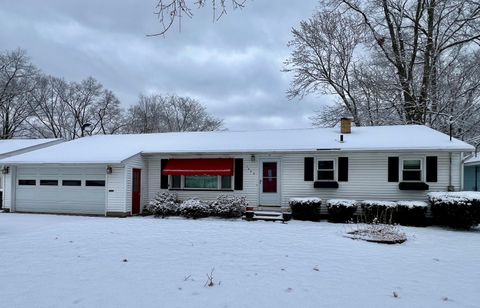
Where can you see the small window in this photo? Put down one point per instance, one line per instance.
(176, 181)
(49, 182)
(226, 182)
(97, 183)
(27, 182)
(412, 170)
(71, 183)
(326, 170)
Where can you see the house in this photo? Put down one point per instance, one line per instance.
(11, 147)
(472, 173)
(117, 174)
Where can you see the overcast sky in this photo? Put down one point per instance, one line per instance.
(232, 66)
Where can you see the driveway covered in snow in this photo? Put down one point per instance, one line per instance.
(61, 261)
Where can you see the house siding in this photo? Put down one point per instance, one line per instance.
(116, 201)
(136, 162)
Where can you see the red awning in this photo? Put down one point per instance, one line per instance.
(220, 166)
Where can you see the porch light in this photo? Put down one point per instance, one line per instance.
(252, 158)
(109, 170)
(5, 170)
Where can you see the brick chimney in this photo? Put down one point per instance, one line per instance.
(345, 125)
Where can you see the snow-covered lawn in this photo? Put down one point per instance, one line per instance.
(61, 261)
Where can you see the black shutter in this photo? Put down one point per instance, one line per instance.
(393, 165)
(238, 180)
(343, 169)
(163, 178)
(432, 168)
(308, 169)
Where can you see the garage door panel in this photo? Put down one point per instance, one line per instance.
(61, 199)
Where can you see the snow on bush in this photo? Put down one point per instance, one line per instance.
(455, 209)
(164, 204)
(306, 208)
(377, 210)
(378, 233)
(228, 206)
(411, 213)
(341, 210)
(195, 208)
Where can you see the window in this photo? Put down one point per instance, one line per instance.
(176, 181)
(48, 182)
(97, 183)
(27, 182)
(203, 182)
(206, 182)
(72, 183)
(325, 170)
(412, 170)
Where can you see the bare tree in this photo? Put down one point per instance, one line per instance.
(17, 76)
(158, 113)
(170, 11)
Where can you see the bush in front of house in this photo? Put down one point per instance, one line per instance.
(378, 211)
(306, 208)
(411, 213)
(341, 210)
(228, 206)
(195, 208)
(164, 204)
(460, 210)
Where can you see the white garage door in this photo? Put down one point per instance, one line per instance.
(60, 190)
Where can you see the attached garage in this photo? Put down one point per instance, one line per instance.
(79, 190)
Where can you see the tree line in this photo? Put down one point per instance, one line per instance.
(36, 105)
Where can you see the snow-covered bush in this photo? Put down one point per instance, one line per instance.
(411, 213)
(378, 210)
(164, 204)
(341, 210)
(195, 208)
(306, 208)
(228, 206)
(378, 233)
(455, 209)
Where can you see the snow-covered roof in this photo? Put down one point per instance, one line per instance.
(473, 160)
(9, 146)
(117, 148)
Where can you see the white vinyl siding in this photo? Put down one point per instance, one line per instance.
(116, 191)
(136, 162)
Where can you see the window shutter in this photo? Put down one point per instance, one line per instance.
(163, 178)
(343, 169)
(308, 169)
(393, 168)
(432, 168)
(238, 175)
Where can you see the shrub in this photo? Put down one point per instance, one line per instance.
(164, 204)
(411, 213)
(455, 209)
(340, 210)
(229, 206)
(306, 208)
(378, 211)
(195, 208)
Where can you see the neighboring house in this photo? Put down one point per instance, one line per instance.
(11, 147)
(472, 173)
(117, 174)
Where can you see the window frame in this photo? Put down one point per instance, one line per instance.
(422, 169)
(334, 170)
(35, 180)
(182, 184)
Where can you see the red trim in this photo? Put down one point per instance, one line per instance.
(217, 166)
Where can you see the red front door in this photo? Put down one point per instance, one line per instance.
(136, 185)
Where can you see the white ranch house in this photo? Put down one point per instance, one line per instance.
(12, 147)
(117, 174)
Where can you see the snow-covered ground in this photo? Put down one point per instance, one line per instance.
(62, 261)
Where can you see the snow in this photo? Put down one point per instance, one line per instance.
(306, 200)
(11, 145)
(378, 203)
(342, 202)
(412, 204)
(64, 261)
(453, 197)
(117, 148)
(473, 160)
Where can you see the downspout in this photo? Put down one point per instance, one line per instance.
(476, 178)
(450, 187)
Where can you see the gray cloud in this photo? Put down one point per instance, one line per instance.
(233, 66)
